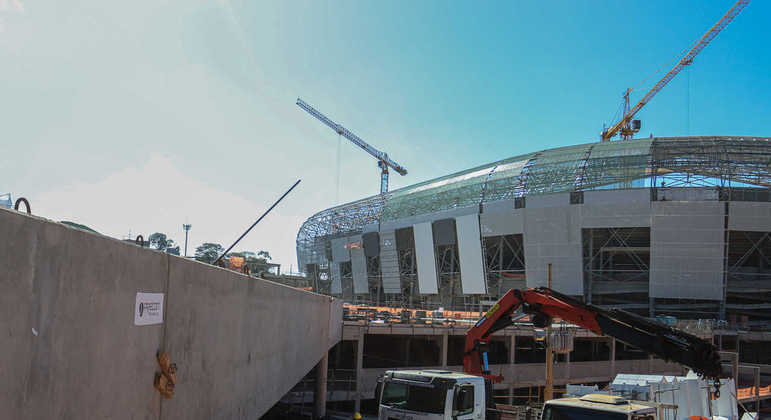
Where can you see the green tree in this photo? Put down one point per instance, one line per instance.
(160, 241)
(78, 226)
(256, 262)
(208, 252)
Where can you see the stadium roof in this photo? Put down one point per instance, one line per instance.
(673, 162)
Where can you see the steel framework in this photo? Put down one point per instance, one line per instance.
(680, 161)
(617, 267)
(734, 168)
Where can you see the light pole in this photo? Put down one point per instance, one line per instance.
(186, 227)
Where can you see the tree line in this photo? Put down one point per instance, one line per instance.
(208, 252)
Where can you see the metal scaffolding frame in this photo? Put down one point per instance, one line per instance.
(748, 267)
(504, 263)
(617, 267)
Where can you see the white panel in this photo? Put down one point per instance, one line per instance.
(339, 251)
(334, 271)
(372, 227)
(430, 217)
(472, 272)
(639, 195)
(389, 263)
(687, 250)
(498, 206)
(501, 223)
(616, 215)
(755, 217)
(359, 269)
(424, 254)
(553, 235)
(687, 194)
(548, 200)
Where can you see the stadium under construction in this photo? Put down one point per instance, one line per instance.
(659, 226)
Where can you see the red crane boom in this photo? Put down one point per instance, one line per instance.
(544, 304)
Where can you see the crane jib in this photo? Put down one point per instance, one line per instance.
(383, 160)
(685, 61)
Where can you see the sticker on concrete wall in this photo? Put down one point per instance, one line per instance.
(148, 309)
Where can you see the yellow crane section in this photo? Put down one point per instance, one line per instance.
(626, 126)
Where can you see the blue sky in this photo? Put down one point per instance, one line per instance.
(125, 116)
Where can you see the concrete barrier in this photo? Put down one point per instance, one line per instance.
(69, 347)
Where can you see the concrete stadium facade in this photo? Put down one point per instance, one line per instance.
(676, 226)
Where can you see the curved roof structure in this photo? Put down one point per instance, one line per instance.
(674, 162)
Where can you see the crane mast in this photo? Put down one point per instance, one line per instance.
(625, 126)
(383, 161)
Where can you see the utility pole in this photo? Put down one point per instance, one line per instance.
(548, 392)
(186, 227)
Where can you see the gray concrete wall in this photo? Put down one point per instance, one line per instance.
(748, 216)
(687, 240)
(70, 349)
(553, 235)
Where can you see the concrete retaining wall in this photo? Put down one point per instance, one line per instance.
(70, 349)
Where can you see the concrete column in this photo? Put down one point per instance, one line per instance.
(359, 368)
(757, 390)
(567, 368)
(320, 395)
(445, 344)
(612, 358)
(512, 360)
(549, 388)
(512, 348)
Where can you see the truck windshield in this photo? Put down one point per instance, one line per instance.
(415, 398)
(558, 412)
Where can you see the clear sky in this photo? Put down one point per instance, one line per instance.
(141, 116)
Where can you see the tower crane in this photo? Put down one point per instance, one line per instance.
(383, 161)
(626, 126)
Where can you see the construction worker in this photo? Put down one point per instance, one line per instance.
(356, 416)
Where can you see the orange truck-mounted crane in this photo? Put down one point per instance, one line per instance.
(441, 394)
(544, 304)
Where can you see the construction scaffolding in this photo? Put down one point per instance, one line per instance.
(617, 267)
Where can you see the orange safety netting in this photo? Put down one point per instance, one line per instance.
(749, 392)
(397, 311)
(429, 313)
(236, 263)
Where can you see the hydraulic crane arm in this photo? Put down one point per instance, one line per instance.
(544, 304)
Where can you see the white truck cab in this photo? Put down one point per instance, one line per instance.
(599, 407)
(446, 395)
(430, 394)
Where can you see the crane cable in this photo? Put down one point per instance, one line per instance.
(337, 186)
(619, 111)
(666, 65)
